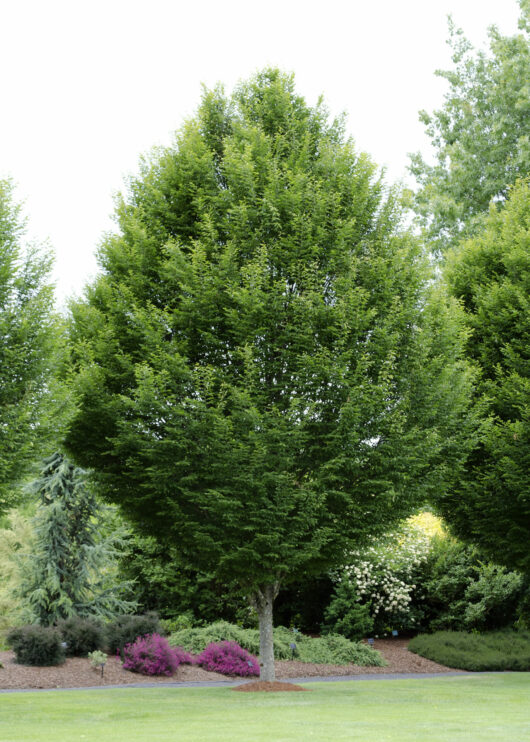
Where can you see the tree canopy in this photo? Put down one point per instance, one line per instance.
(261, 374)
(480, 136)
(28, 342)
(490, 274)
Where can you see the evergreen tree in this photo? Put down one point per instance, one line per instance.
(262, 377)
(70, 570)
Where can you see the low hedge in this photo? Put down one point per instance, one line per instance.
(331, 649)
(491, 651)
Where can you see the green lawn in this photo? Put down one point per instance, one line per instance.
(478, 708)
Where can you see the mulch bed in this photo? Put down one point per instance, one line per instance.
(77, 672)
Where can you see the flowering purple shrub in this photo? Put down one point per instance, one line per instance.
(152, 655)
(183, 657)
(228, 658)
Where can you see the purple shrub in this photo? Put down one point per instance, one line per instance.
(152, 655)
(183, 657)
(228, 658)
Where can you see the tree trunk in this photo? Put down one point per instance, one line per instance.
(262, 600)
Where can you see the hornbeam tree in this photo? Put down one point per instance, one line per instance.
(490, 503)
(261, 376)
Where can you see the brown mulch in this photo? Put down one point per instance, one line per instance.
(394, 651)
(77, 672)
(267, 687)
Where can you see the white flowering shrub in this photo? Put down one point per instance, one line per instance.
(420, 578)
(386, 577)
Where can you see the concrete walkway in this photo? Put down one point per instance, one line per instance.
(230, 683)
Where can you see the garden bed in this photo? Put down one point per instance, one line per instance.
(76, 672)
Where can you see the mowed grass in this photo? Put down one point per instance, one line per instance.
(483, 707)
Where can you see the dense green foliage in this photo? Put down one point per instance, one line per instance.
(490, 274)
(494, 651)
(68, 572)
(36, 645)
(263, 376)
(16, 534)
(125, 629)
(160, 581)
(82, 635)
(459, 590)
(480, 136)
(29, 336)
(331, 649)
(346, 616)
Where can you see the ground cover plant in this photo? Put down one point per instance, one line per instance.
(488, 708)
(332, 649)
(496, 650)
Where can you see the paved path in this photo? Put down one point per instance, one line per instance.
(229, 683)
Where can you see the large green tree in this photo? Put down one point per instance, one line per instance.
(490, 274)
(480, 136)
(28, 348)
(261, 377)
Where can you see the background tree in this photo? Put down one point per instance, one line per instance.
(160, 581)
(16, 536)
(29, 339)
(71, 568)
(480, 136)
(260, 377)
(490, 274)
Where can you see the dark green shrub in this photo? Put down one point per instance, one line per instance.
(125, 629)
(82, 635)
(346, 616)
(462, 592)
(36, 645)
(492, 651)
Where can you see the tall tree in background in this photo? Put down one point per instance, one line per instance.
(490, 274)
(261, 378)
(29, 336)
(481, 136)
(71, 569)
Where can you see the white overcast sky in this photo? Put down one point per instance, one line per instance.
(89, 86)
